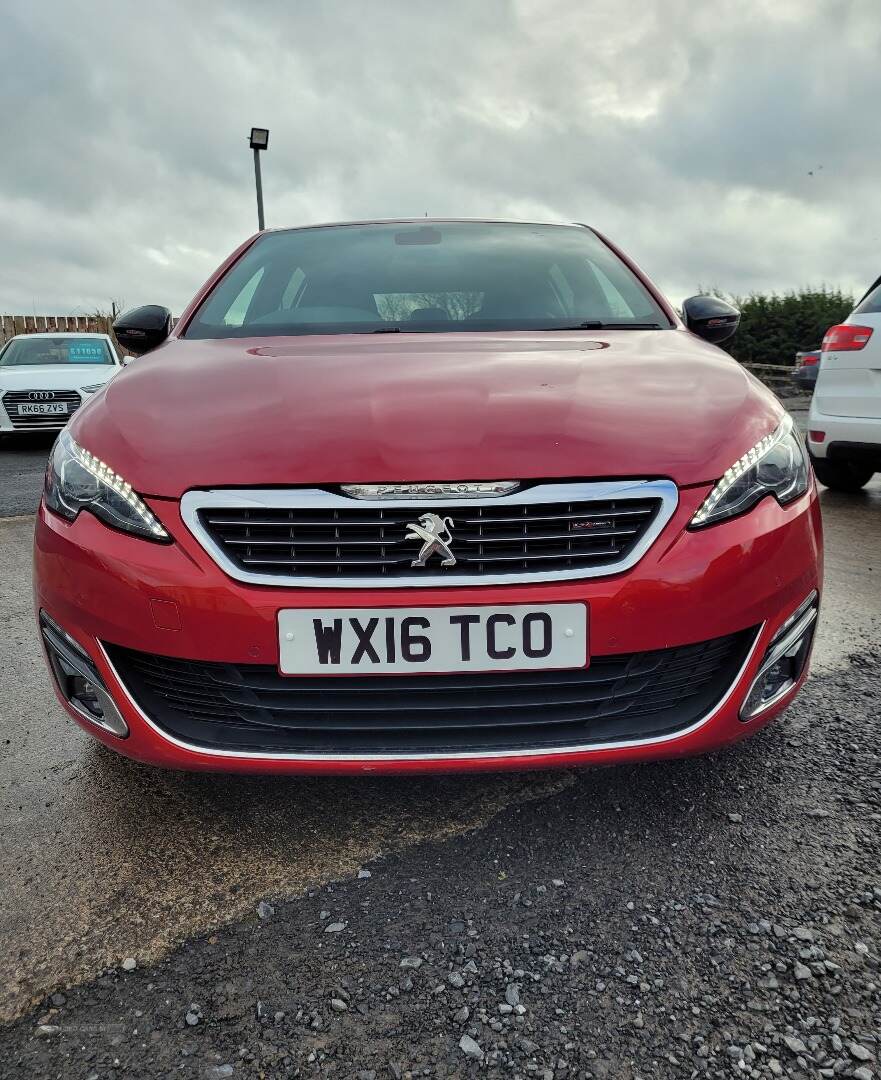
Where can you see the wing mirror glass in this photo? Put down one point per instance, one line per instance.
(143, 328)
(710, 318)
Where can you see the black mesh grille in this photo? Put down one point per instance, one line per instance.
(13, 398)
(252, 707)
(487, 539)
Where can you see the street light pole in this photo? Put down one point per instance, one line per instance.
(259, 141)
(259, 182)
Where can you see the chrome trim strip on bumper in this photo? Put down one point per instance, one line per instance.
(304, 498)
(453, 755)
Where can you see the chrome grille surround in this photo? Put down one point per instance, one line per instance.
(199, 507)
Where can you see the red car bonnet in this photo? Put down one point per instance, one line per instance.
(430, 407)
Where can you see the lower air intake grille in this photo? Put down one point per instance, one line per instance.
(250, 707)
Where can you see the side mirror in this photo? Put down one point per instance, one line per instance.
(141, 329)
(710, 318)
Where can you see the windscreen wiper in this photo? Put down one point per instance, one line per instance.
(591, 324)
(596, 324)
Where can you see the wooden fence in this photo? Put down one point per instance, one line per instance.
(10, 325)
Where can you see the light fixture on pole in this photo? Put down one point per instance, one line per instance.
(259, 141)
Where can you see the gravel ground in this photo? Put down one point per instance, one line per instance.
(714, 917)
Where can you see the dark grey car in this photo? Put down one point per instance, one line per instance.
(807, 364)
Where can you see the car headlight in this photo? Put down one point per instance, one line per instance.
(77, 480)
(776, 465)
(94, 388)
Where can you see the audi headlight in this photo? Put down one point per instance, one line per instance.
(776, 465)
(93, 389)
(77, 480)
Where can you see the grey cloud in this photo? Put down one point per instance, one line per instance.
(685, 133)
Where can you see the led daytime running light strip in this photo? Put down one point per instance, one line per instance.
(740, 467)
(102, 471)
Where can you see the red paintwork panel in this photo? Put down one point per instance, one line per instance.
(420, 407)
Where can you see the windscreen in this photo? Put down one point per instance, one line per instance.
(435, 277)
(28, 351)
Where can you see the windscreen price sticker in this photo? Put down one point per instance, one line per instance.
(86, 352)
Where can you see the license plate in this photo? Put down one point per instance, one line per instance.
(360, 641)
(43, 409)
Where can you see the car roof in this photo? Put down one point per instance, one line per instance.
(65, 334)
(429, 221)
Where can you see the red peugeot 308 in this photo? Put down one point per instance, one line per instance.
(414, 495)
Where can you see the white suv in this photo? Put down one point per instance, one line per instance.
(844, 427)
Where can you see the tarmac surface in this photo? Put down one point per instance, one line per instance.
(22, 464)
(102, 859)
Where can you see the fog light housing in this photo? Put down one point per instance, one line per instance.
(785, 660)
(78, 679)
(85, 694)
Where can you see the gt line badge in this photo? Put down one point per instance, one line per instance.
(434, 532)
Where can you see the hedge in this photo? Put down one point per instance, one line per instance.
(775, 326)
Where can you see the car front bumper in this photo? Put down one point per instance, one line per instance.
(105, 590)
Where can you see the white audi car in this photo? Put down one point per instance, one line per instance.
(44, 378)
(844, 427)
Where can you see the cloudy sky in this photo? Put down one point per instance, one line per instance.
(734, 144)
